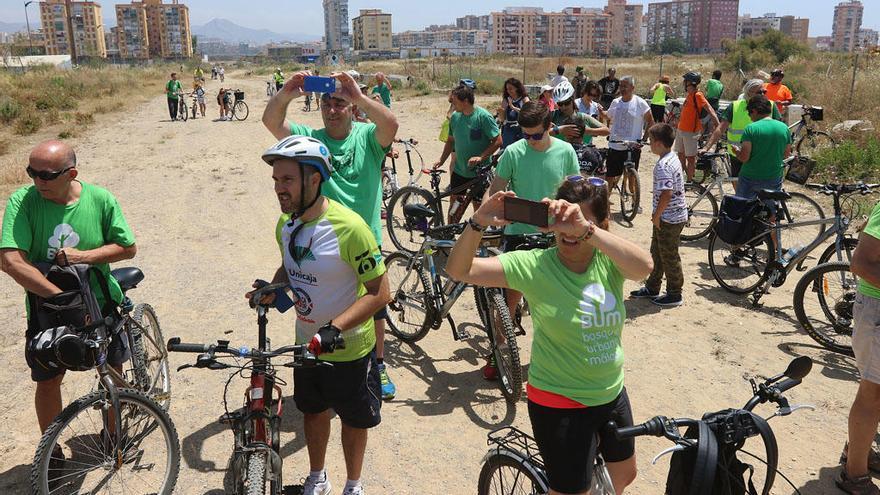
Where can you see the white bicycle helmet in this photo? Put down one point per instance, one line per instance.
(304, 149)
(563, 91)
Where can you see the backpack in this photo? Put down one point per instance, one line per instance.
(736, 219)
(702, 112)
(56, 338)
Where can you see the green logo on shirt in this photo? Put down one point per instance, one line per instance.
(300, 254)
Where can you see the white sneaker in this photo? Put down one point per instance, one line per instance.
(316, 486)
(357, 490)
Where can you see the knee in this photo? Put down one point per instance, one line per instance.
(868, 395)
(49, 386)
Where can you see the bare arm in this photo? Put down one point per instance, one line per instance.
(713, 115)
(14, 263)
(498, 184)
(110, 253)
(716, 135)
(866, 259)
(379, 114)
(745, 151)
(448, 148)
(649, 121)
(377, 296)
(275, 114)
(461, 265)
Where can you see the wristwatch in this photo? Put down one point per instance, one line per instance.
(555, 129)
(475, 226)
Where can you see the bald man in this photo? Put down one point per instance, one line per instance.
(62, 218)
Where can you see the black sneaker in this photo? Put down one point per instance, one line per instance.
(643, 293)
(668, 300)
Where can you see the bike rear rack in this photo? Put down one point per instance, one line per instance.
(514, 439)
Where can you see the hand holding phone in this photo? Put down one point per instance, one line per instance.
(319, 84)
(525, 211)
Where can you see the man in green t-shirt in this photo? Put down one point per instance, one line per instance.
(172, 92)
(858, 457)
(383, 89)
(714, 88)
(473, 136)
(357, 151)
(60, 218)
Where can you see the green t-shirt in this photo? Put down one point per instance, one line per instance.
(357, 171)
(535, 175)
(385, 92)
(727, 114)
(40, 228)
(714, 88)
(769, 138)
(873, 230)
(578, 321)
(578, 119)
(171, 88)
(472, 135)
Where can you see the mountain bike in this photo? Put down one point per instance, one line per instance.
(256, 427)
(808, 141)
(407, 233)
(240, 110)
(760, 262)
(716, 438)
(390, 184)
(270, 88)
(182, 109)
(421, 300)
(629, 186)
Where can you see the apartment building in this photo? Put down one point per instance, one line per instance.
(575, 31)
(132, 35)
(371, 30)
(460, 37)
(867, 38)
(336, 33)
(478, 22)
(83, 22)
(846, 25)
(702, 24)
(797, 28)
(152, 29)
(626, 25)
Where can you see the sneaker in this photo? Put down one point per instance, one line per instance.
(314, 486)
(388, 388)
(856, 486)
(873, 458)
(643, 293)
(354, 490)
(490, 371)
(668, 300)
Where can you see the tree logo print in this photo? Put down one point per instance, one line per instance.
(64, 237)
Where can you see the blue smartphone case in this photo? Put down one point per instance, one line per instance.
(319, 84)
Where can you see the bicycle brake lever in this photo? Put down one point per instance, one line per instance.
(670, 450)
(785, 411)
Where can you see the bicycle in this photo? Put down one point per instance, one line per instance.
(808, 140)
(239, 109)
(182, 109)
(760, 262)
(421, 300)
(406, 231)
(390, 184)
(270, 89)
(629, 186)
(256, 427)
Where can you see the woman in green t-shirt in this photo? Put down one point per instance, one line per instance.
(575, 292)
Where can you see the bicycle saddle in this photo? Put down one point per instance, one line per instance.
(771, 194)
(418, 210)
(128, 277)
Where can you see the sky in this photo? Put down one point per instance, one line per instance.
(306, 16)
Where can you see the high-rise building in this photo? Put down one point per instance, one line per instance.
(459, 37)
(336, 34)
(626, 25)
(480, 22)
(150, 28)
(867, 38)
(702, 24)
(846, 25)
(795, 27)
(371, 31)
(575, 31)
(132, 35)
(83, 21)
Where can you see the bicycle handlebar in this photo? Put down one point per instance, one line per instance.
(832, 189)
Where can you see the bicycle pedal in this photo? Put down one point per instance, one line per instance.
(459, 335)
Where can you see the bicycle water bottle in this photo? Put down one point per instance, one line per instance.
(453, 209)
(792, 253)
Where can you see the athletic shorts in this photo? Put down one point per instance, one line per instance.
(615, 160)
(456, 181)
(566, 439)
(866, 337)
(351, 388)
(686, 142)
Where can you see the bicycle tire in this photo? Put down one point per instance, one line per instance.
(256, 473)
(601, 484)
(701, 219)
(814, 142)
(405, 237)
(507, 354)
(146, 378)
(798, 208)
(240, 110)
(182, 112)
(840, 313)
(849, 245)
(491, 480)
(726, 272)
(400, 295)
(96, 401)
(630, 176)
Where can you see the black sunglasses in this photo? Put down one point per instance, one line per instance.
(43, 175)
(535, 137)
(593, 181)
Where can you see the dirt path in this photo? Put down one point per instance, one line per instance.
(200, 201)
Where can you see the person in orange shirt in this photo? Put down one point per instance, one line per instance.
(689, 124)
(778, 92)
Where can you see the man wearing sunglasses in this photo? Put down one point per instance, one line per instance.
(61, 219)
(778, 92)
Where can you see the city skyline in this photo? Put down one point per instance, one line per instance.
(309, 21)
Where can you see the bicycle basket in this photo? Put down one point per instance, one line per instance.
(736, 219)
(800, 169)
(817, 113)
(239, 95)
(704, 163)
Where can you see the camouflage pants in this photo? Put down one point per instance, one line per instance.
(664, 251)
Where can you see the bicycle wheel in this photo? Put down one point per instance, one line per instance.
(507, 352)
(240, 110)
(182, 111)
(256, 473)
(408, 236)
(409, 312)
(740, 269)
(502, 474)
(849, 245)
(388, 188)
(601, 483)
(813, 143)
(823, 303)
(702, 212)
(149, 359)
(629, 194)
(150, 452)
(799, 208)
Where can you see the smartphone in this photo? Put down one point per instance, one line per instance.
(319, 84)
(525, 211)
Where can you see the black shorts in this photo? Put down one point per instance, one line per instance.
(735, 166)
(566, 439)
(352, 389)
(616, 158)
(456, 181)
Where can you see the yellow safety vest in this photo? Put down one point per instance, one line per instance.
(736, 128)
(659, 97)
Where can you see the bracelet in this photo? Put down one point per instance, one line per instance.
(475, 226)
(591, 228)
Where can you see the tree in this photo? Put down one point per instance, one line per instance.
(670, 45)
(771, 48)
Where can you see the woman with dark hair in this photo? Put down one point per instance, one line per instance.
(512, 100)
(575, 292)
(588, 103)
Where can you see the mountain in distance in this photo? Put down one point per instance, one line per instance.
(231, 32)
(14, 27)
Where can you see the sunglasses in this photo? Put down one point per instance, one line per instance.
(536, 136)
(567, 102)
(43, 175)
(593, 181)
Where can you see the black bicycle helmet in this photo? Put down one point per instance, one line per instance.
(777, 72)
(693, 77)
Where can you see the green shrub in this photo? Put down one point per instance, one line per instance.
(67, 133)
(488, 87)
(849, 161)
(83, 119)
(28, 123)
(9, 110)
(422, 88)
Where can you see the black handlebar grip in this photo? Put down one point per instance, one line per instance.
(628, 432)
(787, 384)
(174, 345)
